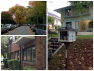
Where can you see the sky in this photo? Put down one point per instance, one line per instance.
(55, 4)
(6, 4)
(52, 5)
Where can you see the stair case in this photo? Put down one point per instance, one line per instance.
(54, 46)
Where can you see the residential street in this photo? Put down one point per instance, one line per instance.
(23, 30)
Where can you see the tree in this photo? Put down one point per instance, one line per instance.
(6, 17)
(38, 10)
(19, 12)
(4, 41)
(80, 6)
(51, 20)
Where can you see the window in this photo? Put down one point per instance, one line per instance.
(90, 24)
(24, 54)
(56, 21)
(12, 55)
(75, 2)
(43, 27)
(63, 35)
(68, 24)
(33, 54)
(86, 9)
(17, 55)
(68, 12)
(29, 54)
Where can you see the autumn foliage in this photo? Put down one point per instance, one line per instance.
(19, 12)
(37, 10)
(6, 17)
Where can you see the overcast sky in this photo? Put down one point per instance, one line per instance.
(55, 4)
(6, 4)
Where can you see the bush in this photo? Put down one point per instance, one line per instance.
(13, 64)
(5, 62)
(29, 68)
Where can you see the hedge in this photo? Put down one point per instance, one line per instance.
(29, 68)
(5, 62)
(13, 64)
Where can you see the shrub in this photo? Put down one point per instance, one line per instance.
(13, 64)
(5, 62)
(29, 68)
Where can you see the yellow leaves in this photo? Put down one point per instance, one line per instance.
(84, 67)
(82, 58)
(60, 55)
(19, 12)
(64, 65)
(79, 62)
(90, 68)
(24, 18)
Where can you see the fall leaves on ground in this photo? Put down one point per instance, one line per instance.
(80, 56)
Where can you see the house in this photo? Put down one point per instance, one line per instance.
(57, 21)
(70, 16)
(29, 50)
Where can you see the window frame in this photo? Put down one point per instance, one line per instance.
(66, 11)
(89, 24)
(30, 53)
(11, 55)
(18, 52)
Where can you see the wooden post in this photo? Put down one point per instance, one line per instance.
(66, 54)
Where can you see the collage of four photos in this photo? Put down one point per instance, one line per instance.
(46, 35)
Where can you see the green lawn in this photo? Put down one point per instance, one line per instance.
(56, 35)
(52, 35)
(85, 36)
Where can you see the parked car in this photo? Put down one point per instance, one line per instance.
(2, 59)
(10, 26)
(3, 28)
(41, 30)
(30, 25)
(34, 28)
(16, 26)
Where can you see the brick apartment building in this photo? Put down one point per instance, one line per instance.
(29, 50)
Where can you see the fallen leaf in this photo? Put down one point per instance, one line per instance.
(90, 68)
(60, 55)
(82, 58)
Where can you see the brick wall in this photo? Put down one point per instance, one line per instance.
(40, 53)
(14, 47)
(40, 44)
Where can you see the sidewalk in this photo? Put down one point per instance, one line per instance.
(3, 68)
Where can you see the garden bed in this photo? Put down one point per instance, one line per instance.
(80, 56)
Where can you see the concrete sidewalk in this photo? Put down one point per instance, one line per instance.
(3, 68)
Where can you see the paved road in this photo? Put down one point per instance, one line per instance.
(23, 30)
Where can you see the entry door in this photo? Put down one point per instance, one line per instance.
(76, 26)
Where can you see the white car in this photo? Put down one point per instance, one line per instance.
(16, 26)
(10, 26)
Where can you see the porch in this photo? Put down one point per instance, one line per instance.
(84, 27)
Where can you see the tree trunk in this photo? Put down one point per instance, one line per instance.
(37, 18)
(44, 20)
